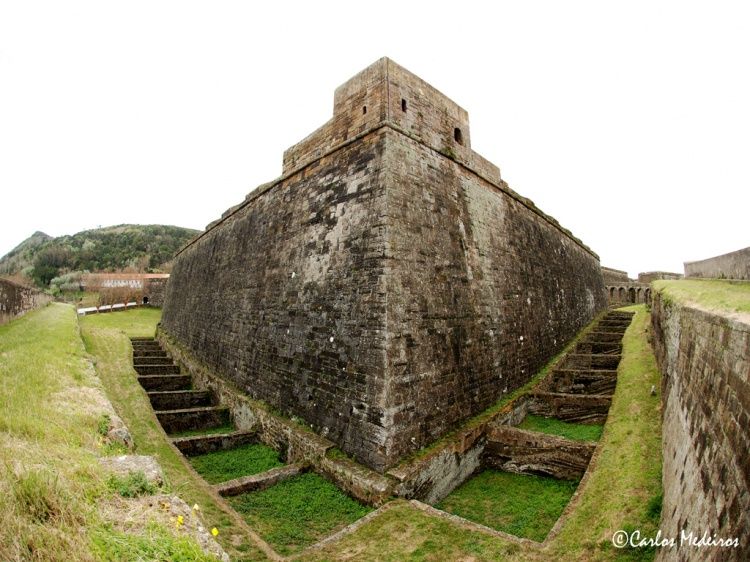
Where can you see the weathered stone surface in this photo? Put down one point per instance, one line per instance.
(16, 300)
(576, 408)
(122, 436)
(704, 358)
(256, 482)
(151, 360)
(124, 465)
(390, 284)
(734, 265)
(157, 369)
(179, 399)
(202, 444)
(591, 361)
(530, 452)
(156, 383)
(189, 419)
(572, 381)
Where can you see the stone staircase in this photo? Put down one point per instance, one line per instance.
(180, 408)
(579, 390)
(177, 406)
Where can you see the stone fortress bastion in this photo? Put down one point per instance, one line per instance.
(389, 284)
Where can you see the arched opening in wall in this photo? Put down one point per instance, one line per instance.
(648, 295)
(611, 293)
(631, 295)
(145, 300)
(458, 136)
(403, 105)
(621, 294)
(639, 295)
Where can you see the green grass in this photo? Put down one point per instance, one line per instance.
(51, 417)
(221, 466)
(107, 339)
(623, 490)
(110, 545)
(713, 294)
(523, 505)
(298, 512)
(133, 485)
(552, 426)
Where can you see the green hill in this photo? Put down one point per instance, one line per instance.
(139, 247)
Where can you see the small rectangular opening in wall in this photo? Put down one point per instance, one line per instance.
(403, 105)
(364, 109)
(458, 136)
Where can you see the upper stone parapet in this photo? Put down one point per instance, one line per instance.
(386, 93)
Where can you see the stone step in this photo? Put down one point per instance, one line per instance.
(143, 346)
(191, 419)
(142, 339)
(531, 452)
(614, 324)
(149, 353)
(577, 408)
(604, 348)
(152, 360)
(256, 482)
(603, 337)
(611, 326)
(587, 361)
(180, 399)
(611, 330)
(571, 381)
(157, 369)
(202, 444)
(619, 314)
(163, 383)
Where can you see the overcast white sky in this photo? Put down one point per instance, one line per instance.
(629, 122)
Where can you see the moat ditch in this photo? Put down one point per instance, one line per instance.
(515, 474)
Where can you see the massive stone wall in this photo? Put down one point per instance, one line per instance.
(389, 284)
(16, 300)
(734, 265)
(704, 358)
(615, 276)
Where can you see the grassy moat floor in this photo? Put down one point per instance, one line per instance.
(552, 426)
(52, 489)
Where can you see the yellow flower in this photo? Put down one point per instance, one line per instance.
(214, 531)
(180, 520)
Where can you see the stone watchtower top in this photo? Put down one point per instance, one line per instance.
(385, 93)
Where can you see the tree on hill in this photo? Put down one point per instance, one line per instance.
(135, 248)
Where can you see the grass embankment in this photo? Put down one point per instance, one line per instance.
(107, 338)
(711, 294)
(221, 466)
(622, 492)
(520, 504)
(298, 512)
(552, 426)
(51, 484)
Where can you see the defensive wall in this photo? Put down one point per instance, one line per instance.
(389, 284)
(16, 299)
(704, 358)
(734, 265)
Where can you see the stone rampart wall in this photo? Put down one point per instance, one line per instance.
(16, 300)
(705, 363)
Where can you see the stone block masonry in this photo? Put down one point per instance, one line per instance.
(734, 265)
(389, 285)
(16, 300)
(704, 358)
